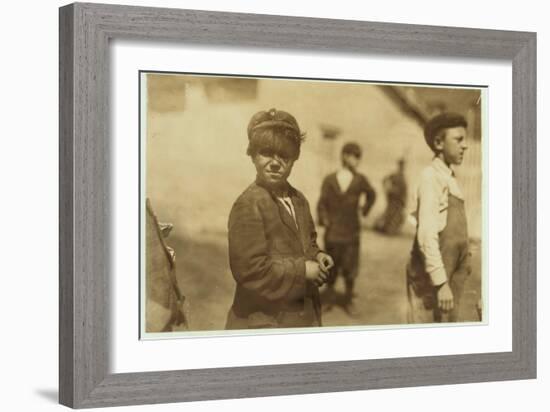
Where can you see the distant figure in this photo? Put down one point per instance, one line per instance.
(273, 250)
(395, 187)
(440, 259)
(338, 209)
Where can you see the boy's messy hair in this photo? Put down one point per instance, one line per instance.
(282, 141)
(438, 124)
(276, 131)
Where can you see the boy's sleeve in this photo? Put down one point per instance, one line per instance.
(322, 205)
(370, 193)
(428, 230)
(313, 247)
(252, 267)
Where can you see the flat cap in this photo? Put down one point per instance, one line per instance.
(273, 118)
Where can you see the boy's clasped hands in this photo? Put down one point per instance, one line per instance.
(317, 271)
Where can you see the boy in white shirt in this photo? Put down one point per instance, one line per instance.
(440, 259)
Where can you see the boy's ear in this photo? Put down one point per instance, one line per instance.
(438, 141)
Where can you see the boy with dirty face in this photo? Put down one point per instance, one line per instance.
(273, 252)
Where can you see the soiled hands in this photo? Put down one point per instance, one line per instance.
(314, 273)
(325, 261)
(445, 298)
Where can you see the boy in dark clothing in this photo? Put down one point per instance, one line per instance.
(395, 187)
(338, 213)
(273, 250)
(440, 259)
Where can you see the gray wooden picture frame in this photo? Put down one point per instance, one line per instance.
(85, 31)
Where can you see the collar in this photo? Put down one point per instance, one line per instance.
(440, 166)
(291, 191)
(345, 170)
(448, 174)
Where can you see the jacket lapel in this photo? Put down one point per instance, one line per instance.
(286, 217)
(336, 186)
(334, 183)
(354, 182)
(302, 218)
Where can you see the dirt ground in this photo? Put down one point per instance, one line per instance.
(204, 276)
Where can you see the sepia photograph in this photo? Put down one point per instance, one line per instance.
(294, 204)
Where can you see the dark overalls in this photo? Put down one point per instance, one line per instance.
(453, 243)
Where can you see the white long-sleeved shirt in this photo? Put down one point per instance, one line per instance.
(436, 183)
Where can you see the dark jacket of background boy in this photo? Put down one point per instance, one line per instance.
(338, 211)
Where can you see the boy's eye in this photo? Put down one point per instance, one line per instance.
(271, 153)
(266, 152)
(283, 156)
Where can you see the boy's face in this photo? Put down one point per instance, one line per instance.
(350, 160)
(452, 145)
(272, 168)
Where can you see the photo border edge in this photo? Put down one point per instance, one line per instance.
(84, 378)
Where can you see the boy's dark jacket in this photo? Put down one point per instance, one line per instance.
(338, 211)
(267, 255)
